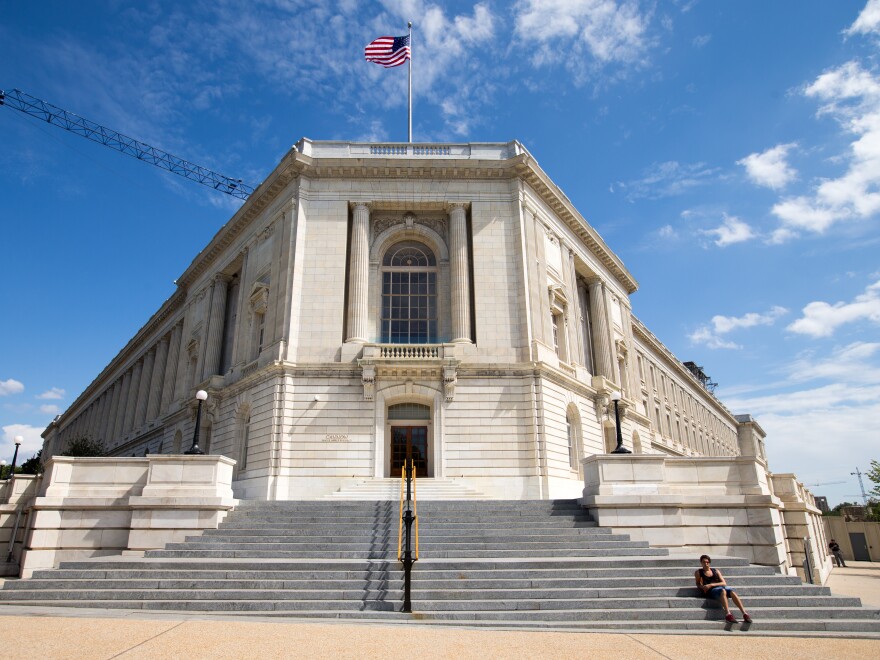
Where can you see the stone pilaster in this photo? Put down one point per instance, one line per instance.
(168, 388)
(144, 390)
(131, 405)
(359, 269)
(601, 334)
(576, 350)
(119, 421)
(460, 274)
(111, 412)
(215, 326)
(156, 381)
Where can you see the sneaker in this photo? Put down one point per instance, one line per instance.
(747, 618)
(730, 618)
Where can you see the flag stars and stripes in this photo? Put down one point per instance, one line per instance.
(388, 51)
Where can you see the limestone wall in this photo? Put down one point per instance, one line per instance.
(90, 507)
(712, 505)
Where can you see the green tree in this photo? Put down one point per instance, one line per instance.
(874, 475)
(33, 465)
(84, 446)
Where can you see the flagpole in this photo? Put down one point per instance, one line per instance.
(409, 113)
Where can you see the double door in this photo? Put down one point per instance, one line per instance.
(409, 442)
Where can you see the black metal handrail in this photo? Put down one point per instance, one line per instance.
(408, 518)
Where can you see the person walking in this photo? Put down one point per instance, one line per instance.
(835, 551)
(713, 585)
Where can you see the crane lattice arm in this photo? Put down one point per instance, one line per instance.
(29, 105)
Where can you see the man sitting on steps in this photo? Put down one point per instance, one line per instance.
(713, 585)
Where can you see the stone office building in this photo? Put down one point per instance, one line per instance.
(371, 302)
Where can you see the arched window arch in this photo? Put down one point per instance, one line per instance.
(409, 294)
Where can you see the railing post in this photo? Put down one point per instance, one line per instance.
(407, 553)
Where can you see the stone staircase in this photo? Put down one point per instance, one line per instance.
(494, 563)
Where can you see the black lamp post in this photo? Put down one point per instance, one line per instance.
(18, 440)
(201, 395)
(620, 449)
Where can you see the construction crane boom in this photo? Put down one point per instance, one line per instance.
(30, 105)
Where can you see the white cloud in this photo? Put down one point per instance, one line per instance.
(582, 32)
(732, 230)
(668, 179)
(52, 393)
(32, 442)
(821, 319)
(851, 95)
(770, 167)
(50, 409)
(852, 363)
(711, 334)
(701, 40)
(667, 231)
(10, 386)
(868, 21)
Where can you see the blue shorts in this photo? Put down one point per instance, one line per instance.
(715, 592)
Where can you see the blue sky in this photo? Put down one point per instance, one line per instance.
(727, 150)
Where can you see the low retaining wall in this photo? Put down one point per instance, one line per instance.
(695, 505)
(92, 507)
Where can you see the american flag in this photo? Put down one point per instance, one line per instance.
(388, 51)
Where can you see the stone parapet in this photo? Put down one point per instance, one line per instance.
(92, 507)
(804, 530)
(712, 505)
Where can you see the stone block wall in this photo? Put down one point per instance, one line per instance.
(91, 507)
(712, 505)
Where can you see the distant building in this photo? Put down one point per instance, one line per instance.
(822, 503)
(370, 302)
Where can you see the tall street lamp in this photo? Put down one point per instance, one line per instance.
(201, 395)
(18, 440)
(620, 449)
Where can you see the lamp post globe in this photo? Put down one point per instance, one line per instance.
(201, 396)
(18, 440)
(620, 449)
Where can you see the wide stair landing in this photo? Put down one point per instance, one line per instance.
(373, 490)
(496, 563)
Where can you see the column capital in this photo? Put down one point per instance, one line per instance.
(222, 277)
(368, 205)
(454, 206)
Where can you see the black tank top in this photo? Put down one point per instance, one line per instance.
(710, 579)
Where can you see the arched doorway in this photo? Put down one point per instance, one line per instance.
(410, 438)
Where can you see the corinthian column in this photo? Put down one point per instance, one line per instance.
(358, 279)
(170, 382)
(158, 378)
(460, 274)
(215, 326)
(131, 402)
(601, 336)
(140, 415)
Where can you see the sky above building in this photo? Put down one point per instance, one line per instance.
(727, 150)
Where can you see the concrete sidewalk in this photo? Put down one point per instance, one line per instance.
(174, 637)
(860, 579)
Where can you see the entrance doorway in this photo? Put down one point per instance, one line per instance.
(409, 442)
(860, 546)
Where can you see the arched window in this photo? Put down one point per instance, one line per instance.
(409, 295)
